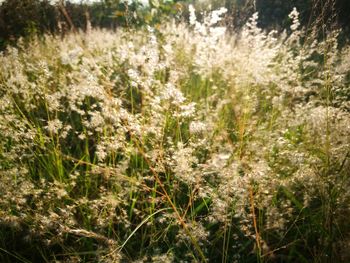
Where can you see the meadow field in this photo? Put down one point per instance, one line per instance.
(185, 142)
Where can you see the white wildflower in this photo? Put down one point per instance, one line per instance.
(197, 127)
(54, 126)
(294, 15)
(173, 94)
(216, 16)
(72, 56)
(193, 17)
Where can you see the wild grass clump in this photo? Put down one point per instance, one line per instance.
(177, 144)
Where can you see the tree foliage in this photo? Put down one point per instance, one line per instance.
(25, 18)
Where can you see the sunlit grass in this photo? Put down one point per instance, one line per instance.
(181, 144)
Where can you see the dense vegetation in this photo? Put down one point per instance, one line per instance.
(25, 18)
(176, 142)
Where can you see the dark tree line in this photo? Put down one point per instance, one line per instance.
(25, 18)
(274, 13)
(329, 13)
